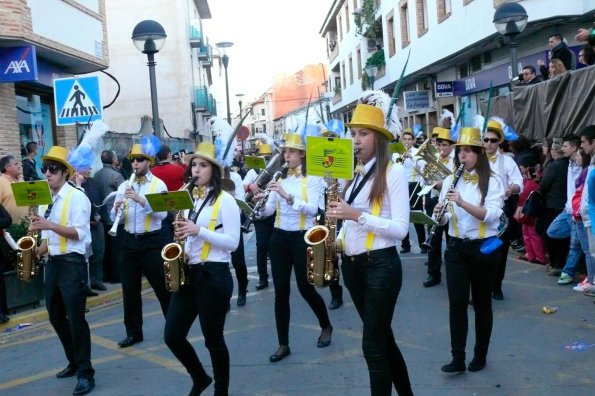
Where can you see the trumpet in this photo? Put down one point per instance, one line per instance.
(263, 200)
(428, 243)
(114, 230)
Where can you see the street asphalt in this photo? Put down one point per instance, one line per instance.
(531, 353)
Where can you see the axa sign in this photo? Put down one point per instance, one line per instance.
(18, 64)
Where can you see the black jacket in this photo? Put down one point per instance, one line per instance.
(561, 52)
(553, 184)
(30, 170)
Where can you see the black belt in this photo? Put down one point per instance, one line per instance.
(70, 257)
(467, 241)
(143, 235)
(386, 252)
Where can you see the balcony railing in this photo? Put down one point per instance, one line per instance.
(201, 98)
(196, 39)
(211, 105)
(205, 55)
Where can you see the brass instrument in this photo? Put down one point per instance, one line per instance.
(321, 255)
(114, 230)
(434, 170)
(27, 261)
(267, 174)
(263, 200)
(174, 258)
(428, 243)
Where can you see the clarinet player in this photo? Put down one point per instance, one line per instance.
(375, 211)
(474, 216)
(212, 229)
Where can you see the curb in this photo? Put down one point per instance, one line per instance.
(40, 314)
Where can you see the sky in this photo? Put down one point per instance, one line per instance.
(271, 38)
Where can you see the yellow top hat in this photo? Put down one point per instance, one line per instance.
(469, 137)
(494, 126)
(137, 151)
(205, 150)
(370, 117)
(59, 154)
(294, 140)
(265, 149)
(442, 134)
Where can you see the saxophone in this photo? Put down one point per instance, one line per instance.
(321, 255)
(174, 263)
(27, 262)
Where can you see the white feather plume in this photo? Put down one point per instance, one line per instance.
(87, 154)
(382, 100)
(94, 135)
(266, 139)
(446, 115)
(478, 122)
(222, 132)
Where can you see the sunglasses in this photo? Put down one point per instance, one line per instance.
(491, 140)
(138, 159)
(52, 168)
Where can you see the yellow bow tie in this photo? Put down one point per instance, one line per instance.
(493, 158)
(140, 180)
(199, 192)
(471, 177)
(444, 160)
(295, 171)
(359, 168)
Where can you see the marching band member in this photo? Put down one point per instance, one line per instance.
(505, 167)
(142, 243)
(212, 229)
(474, 216)
(295, 198)
(444, 144)
(376, 219)
(65, 233)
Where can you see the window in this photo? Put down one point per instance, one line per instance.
(421, 17)
(262, 112)
(487, 57)
(444, 9)
(347, 18)
(34, 114)
(340, 26)
(462, 70)
(390, 27)
(475, 63)
(404, 17)
(350, 65)
(343, 78)
(358, 57)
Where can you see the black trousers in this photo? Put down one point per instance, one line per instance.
(508, 236)
(238, 260)
(288, 252)
(374, 282)
(557, 249)
(207, 296)
(114, 257)
(435, 253)
(263, 229)
(415, 203)
(65, 296)
(141, 256)
(469, 271)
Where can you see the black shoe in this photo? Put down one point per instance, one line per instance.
(280, 354)
(325, 337)
(455, 366)
(197, 388)
(4, 318)
(98, 286)
(263, 284)
(431, 281)
(69, 371)
(84, 386)
(478, 363)
(91, 293)
(405, 250)
(497, 295)
(241, 300)
(129, 341)
(336, 302)
(423, 250)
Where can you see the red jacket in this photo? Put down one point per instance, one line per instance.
(171, 174)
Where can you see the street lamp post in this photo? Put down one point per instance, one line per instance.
(510, 20)
(371, 72)
(240, 96)
(225, 59)
(149, 37)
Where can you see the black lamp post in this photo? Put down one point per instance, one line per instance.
(149, 37)
(225, 59)
(510, 20)
(371, 72)
(240, 96)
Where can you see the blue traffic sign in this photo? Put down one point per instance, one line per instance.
(77, 100)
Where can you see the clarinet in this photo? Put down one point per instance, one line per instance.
(428, 243)
(114, 230)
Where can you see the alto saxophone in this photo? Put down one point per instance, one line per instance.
(27, 261)
(174, 258)
(321, 255)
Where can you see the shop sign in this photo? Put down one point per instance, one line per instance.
(416, 100)
(18, 64)
(444, 89)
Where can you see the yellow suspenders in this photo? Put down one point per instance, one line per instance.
(214, 216)
(152, 188)
(302, 215)
(63, 219)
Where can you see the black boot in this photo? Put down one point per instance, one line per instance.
(478, 363)
(455, 366)
(220, 361)
(200, 385)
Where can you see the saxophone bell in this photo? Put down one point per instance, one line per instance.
(27, 261)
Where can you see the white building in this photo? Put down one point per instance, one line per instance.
(452, 43)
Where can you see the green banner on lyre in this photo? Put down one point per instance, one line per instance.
(329, 157)
(168, 201)
(253, 162)
(31, 193)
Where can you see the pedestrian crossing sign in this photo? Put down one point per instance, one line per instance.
(77, 100)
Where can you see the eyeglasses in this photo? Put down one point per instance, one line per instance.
(491, 140)
(52, 168)
(138, 159)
